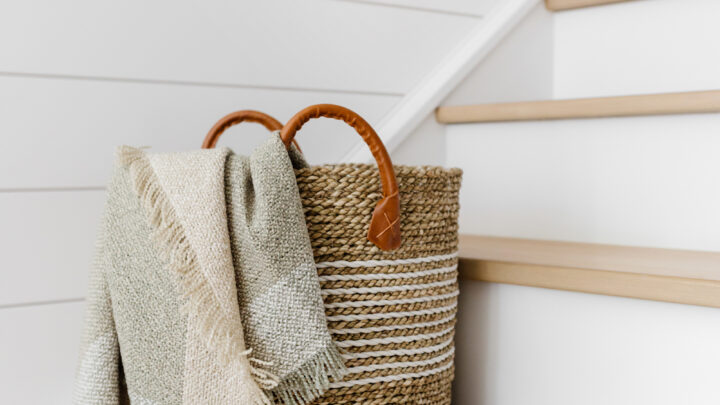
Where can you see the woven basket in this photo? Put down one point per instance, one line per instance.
(391, 312)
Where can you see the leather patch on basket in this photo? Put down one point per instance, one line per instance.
(384, 229)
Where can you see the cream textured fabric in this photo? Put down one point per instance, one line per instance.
(205, 285)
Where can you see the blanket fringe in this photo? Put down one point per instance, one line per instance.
(221, 336)
(313, 378)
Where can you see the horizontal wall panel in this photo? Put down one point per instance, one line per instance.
(286, 43)
(476, 8)
(638, 181)
(38, 353)
(62, 133)
(628, 48)
(48, 243)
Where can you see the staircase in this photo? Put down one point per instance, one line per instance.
(592, 174)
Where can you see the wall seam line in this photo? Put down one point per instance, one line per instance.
(415, 8)
(193, 83)
(40, 303)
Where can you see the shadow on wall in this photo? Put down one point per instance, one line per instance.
(473, 337)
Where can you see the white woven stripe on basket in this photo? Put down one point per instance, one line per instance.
(388, 276)
(379, 263)
(393, 288)
(398, 352)
(442, 353)
(377, 303)
(394, 339)
(401, 364)
(394, 377)
(383, 328)
(362, 317)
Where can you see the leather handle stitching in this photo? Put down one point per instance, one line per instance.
(390, 226)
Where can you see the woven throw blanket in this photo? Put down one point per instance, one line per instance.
(204, 288)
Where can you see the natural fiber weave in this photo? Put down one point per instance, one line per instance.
(394, 320)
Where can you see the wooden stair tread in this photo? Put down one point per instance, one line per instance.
(671, 275)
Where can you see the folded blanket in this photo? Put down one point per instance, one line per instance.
(205, 285)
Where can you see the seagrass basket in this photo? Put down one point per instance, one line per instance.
(388, 278)
(392, 312)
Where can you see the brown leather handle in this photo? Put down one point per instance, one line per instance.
(237, 117)
(384, 229)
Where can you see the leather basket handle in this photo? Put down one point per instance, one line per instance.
(384, 229)
(237, 117)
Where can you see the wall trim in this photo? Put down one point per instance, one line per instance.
(421, 101)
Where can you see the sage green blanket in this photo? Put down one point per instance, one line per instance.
(204, 289)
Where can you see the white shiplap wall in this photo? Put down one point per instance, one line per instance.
(78, 78)
(313, 44)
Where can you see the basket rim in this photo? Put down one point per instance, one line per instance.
(398, 168)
